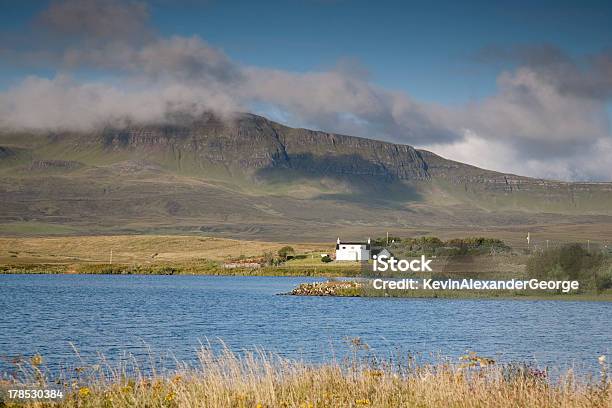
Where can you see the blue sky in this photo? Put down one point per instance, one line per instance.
(426, 48)
(532, 79)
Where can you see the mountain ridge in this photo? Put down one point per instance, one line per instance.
(250, 175)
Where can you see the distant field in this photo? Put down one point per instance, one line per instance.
(156, 249)
(136, 249)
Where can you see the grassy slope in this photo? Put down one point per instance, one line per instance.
(166, 191)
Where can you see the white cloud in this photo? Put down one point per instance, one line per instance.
(546, 119)
(591, 163)
(62, 103)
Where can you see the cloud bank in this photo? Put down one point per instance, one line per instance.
(547, 117)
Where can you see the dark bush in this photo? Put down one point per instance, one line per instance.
(285, 252)
(474, 245)
(603, 283)
(570, 261)
(382, 241)
(422, 244)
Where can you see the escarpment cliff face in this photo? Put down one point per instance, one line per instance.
(236, 143)
(251, 143)
(249, 175)
(251, 146)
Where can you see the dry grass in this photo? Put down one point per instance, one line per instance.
(265, 380)
(134, 248)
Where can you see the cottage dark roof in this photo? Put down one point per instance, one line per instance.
(353, 243)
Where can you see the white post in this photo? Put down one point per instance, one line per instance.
(528, 239)
(110, 261)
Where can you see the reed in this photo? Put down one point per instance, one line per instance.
(260, 379)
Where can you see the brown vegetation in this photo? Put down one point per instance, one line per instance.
(266, 380)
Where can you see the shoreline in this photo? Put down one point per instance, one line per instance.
(203, 267)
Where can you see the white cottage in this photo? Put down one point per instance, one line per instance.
(352, 251)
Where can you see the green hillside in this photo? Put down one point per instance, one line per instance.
(252, 177)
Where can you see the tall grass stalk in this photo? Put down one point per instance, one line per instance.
(260, 379)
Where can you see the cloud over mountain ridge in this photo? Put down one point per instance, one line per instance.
(547, 117)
